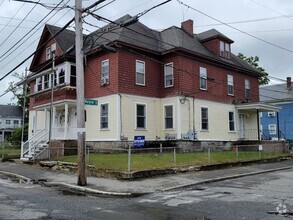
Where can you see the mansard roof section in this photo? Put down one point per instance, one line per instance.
(136, 34)
(7, 111)
(211, 35)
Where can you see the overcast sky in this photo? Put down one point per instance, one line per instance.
(262, 28)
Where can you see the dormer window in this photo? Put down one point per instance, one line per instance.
(224, 49)
(48, 53)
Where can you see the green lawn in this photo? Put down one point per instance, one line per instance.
(8, 150)
(144, 161)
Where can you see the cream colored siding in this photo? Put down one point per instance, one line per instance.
(93, 114)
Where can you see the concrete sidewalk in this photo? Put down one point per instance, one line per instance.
(136, 187)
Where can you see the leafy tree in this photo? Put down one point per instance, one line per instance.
(264, 80)
(19, 96)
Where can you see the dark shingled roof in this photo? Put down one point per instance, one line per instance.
(65, 39)
(275, 93)
(141, 36)
(10, 111)
(211, 34)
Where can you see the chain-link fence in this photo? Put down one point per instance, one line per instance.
(134, 159)
(10, 150)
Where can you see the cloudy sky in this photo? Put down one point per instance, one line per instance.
(258, 27)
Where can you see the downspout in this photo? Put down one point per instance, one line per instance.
(278, 125)
(193, 118)
(258, 131)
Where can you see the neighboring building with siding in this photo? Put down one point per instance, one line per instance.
(164, 85)
(278, 124)
(10, 119)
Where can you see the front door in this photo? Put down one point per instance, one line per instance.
(242, 126)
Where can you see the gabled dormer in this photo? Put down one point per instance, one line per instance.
(216, 42)
(49, 45)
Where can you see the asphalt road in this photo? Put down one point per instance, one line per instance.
(244, 198)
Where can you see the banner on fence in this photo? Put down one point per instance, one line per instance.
(138, 141)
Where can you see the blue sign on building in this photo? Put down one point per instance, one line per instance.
(139, 141)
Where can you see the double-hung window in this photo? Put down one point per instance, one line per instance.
(168, 69)
(105, 71)
(203, 78)
(140, 73)
(224, 49)
(140, 116)
(204, 119)
(104, 116)
(272, 129)
(48, 53)
(169, 117)
(231, 121)
(230, 85)
(247, 89)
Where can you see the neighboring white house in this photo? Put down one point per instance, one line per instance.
(10, 118)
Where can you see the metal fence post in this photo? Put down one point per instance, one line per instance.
(161, 148)
(174, 157)
(129, 159)
(209, 155)
(237, 155)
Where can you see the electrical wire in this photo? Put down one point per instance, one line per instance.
(250, 35)
(23, 37)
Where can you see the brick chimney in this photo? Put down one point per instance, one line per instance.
(289, 86)
(187, 26)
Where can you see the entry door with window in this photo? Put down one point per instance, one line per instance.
(242, 126)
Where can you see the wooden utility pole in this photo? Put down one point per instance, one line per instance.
(81, 179)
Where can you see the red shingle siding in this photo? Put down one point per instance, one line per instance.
(213, 45)
(92, 76)
(127, 75)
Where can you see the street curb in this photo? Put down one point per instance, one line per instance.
(77, 188)
(218, 179)
(89, 190)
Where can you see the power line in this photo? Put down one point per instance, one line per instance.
(264, 6)
(18, 25)
(245, 21)
(12, 17)
(262, 40)
(22, 38)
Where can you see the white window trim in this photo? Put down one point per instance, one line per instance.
(201, 129)
(230, 83)
(48, 53)
(173, 117)
(234, 120)
(169, 65)
(104, 129)
(136, 83)
(105, 61)
(271, 114)
(272, 131)
(205, 77)
(145, 105)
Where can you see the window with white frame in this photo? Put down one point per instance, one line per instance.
(47, 83)
(140, 72)
(271, 114)
(168, 117)
(203, 78)
(8, 122)
(168, 69)
(247, 89)
(72, 75)
(105, 71)
(204, 119)
(224, 49)
(231, 121)
(104, 116)
(230, 85)
(272, 129)
(48, 53)
(140, 116)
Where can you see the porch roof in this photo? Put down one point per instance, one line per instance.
(262, 107)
